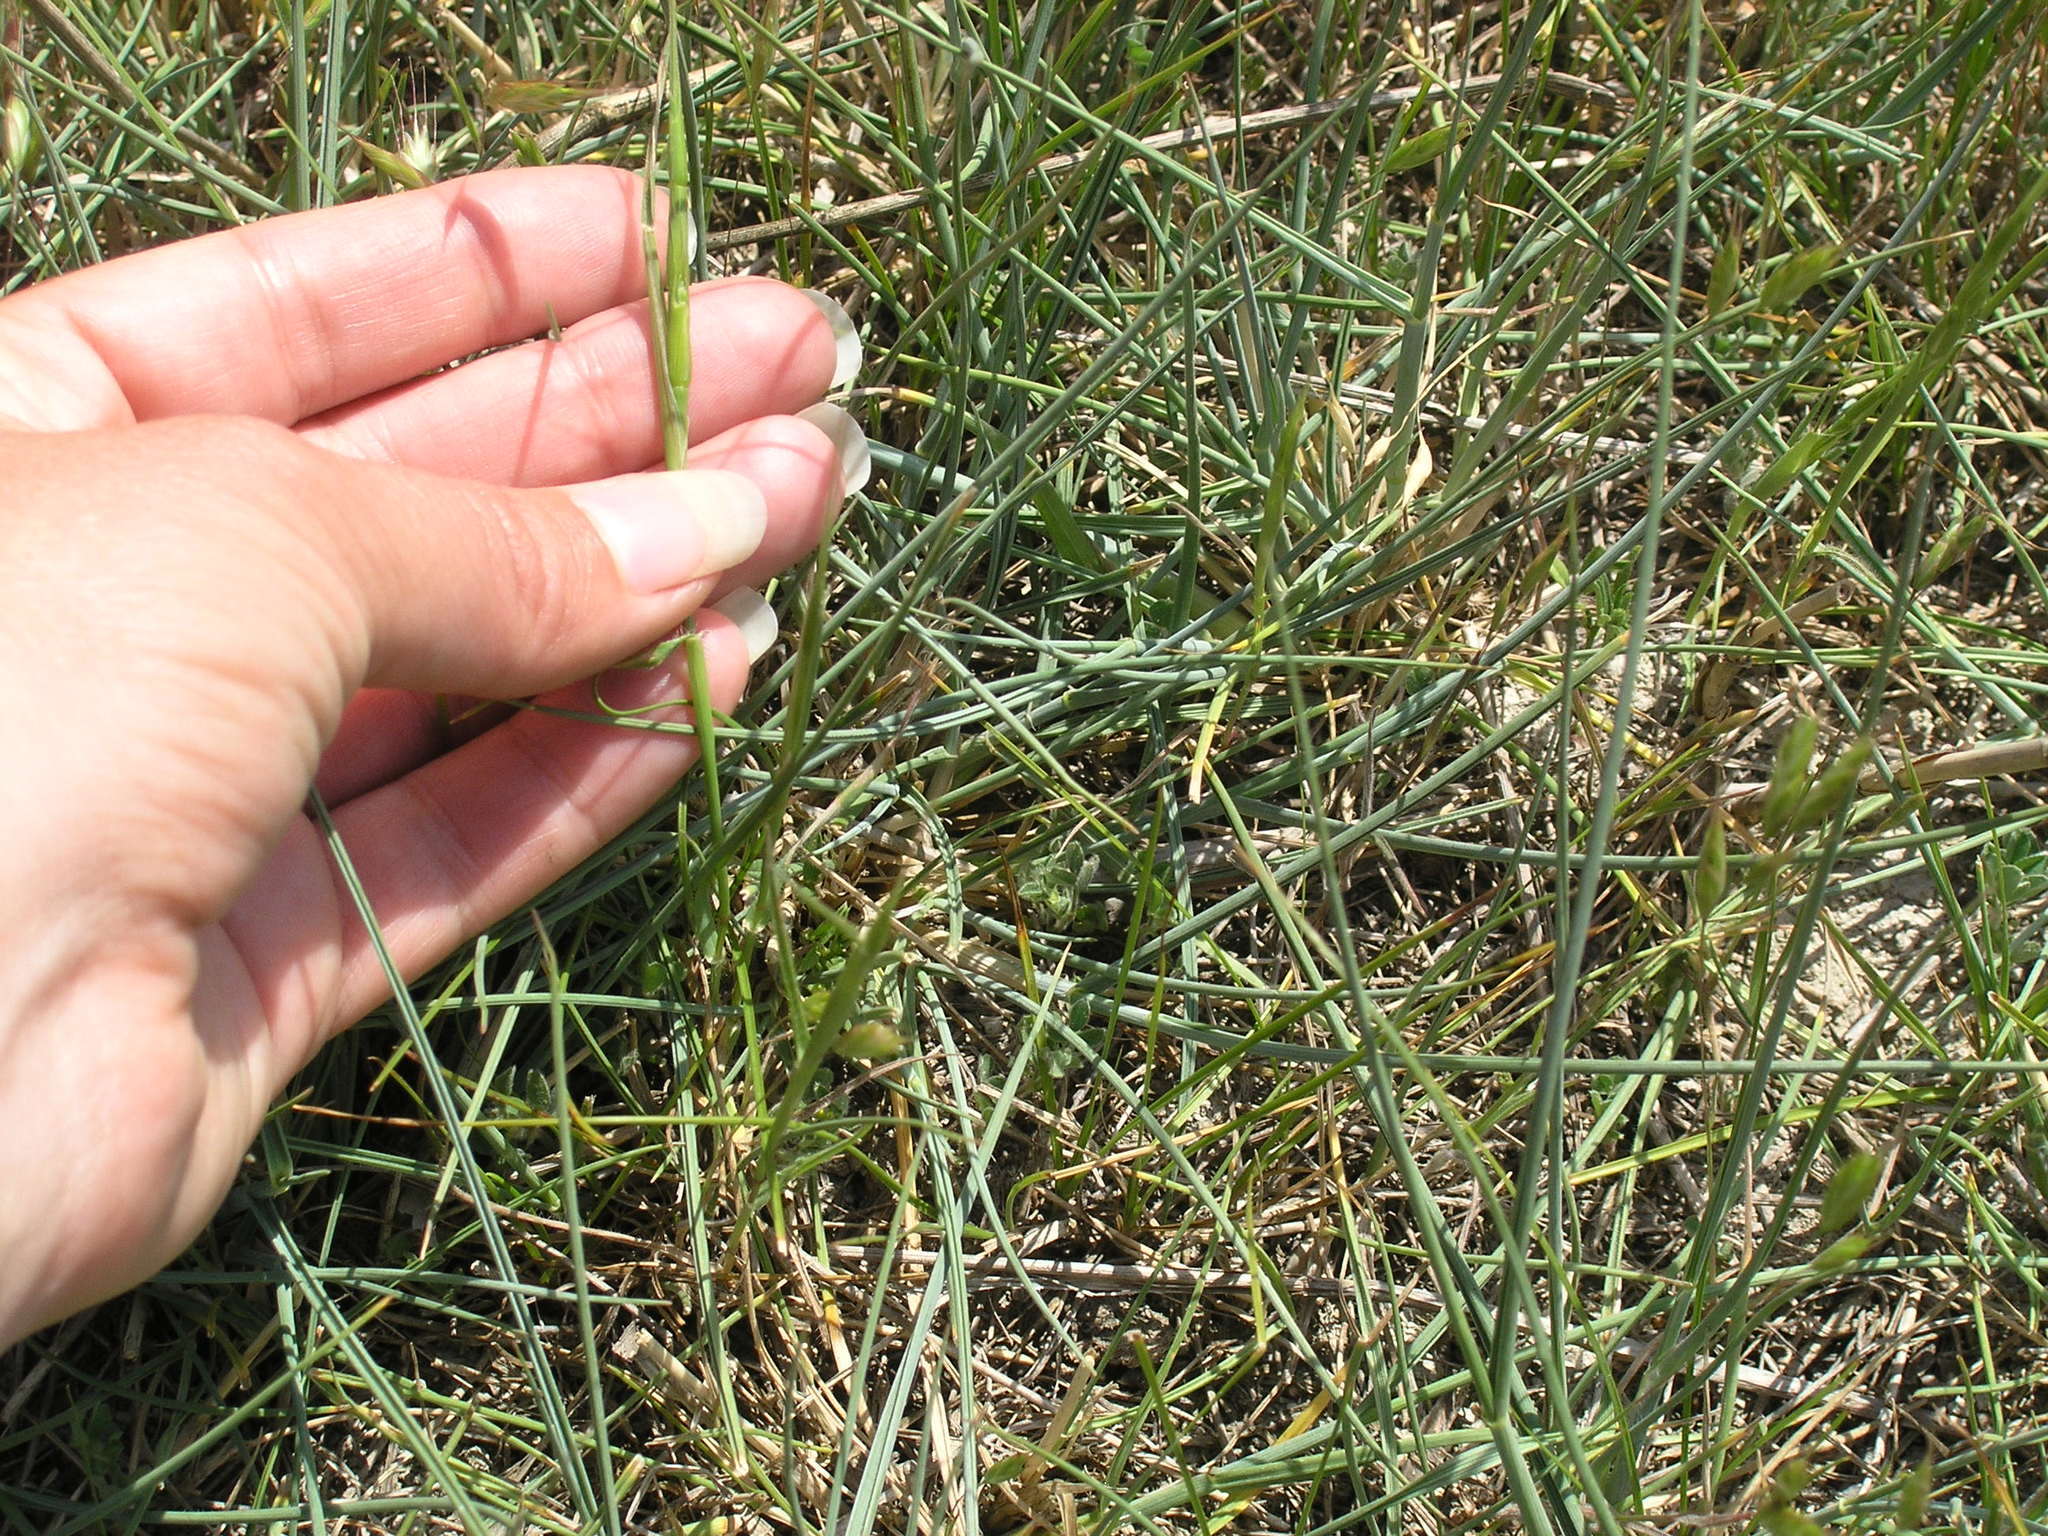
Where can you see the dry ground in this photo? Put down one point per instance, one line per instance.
(1328, 920)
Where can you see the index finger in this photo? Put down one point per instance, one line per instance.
(292, 316)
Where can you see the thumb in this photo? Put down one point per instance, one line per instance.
(456, 586)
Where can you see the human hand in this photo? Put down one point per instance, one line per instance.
(246, 537)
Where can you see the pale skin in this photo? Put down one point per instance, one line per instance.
(247, 536)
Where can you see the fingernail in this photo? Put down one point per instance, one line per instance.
(755, 620)
(845, 339)
(856, 464)
(665, 529)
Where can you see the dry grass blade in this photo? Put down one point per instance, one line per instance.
(1398, 878)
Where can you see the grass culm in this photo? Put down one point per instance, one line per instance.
(1391, 878)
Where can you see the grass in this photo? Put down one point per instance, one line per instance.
(1327, 921)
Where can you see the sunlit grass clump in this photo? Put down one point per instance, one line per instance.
(1391, 877)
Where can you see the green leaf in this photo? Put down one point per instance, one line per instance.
(1778, 1514)
(1006, 1469)
(393, 166)
(1273, 506)
(1727, 271)
(1835, 783)
(1914, 1494)
(1954, 541)
(1791, 1479)
(1842, 1252)
(1710, 879)
(1848, 1193)
(1049, 885)
(1788, 774)
(1798, 272)
(832, 1012)
(1787, 1521)
(2013, 869)
(1065, 530)
(1799, 456)
(277, 1157)
(534, 96)
(19, 138)
(870, 1040)
(1421, 149)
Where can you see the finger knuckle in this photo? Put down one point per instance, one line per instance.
(543, 576)
(247, 442)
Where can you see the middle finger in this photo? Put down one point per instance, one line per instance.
(583, 408)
